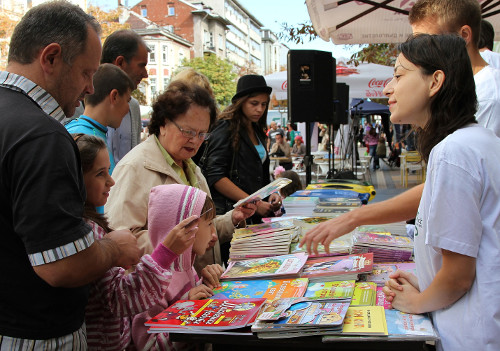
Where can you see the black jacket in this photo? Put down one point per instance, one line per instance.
(249, 173)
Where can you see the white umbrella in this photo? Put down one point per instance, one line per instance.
(374, 21)
(365, 81)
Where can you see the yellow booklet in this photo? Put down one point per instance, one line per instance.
(365, 320)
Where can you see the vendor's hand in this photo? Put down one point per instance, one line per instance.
(211, 274)
(403, 296)
(324, 233)
(264, 209)
(182, 235)
(275, 201)
(241, 213)
(394, 283)
(129, 253)
(200, 292)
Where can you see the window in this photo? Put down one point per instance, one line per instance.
(152, 87)
(171, 10)
(165, 83)
(144, 11)
(221, 41)
(152, 57)
(164, 54)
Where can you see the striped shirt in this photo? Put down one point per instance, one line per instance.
(117, 297)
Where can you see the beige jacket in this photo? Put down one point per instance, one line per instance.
(127, 208)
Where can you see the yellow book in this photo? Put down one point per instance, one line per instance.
(365, 320)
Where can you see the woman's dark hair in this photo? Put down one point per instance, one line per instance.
(295, 185)
(455, 104)
(175, 101)
(89, 146)
(234, 114)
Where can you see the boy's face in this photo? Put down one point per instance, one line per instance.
(205, 236)
(121, 108)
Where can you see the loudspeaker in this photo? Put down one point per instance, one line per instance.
(311, 80)
(341, 115)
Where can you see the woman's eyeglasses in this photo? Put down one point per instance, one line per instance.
(191, 133)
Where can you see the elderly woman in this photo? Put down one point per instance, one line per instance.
(181, 119)
(298, 149)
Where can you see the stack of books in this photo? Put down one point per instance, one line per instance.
(384, 247)
(263, 240)
(331, 268)
(299, 205)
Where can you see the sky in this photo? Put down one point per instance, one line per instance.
(272, 13)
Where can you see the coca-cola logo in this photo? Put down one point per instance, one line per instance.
(374, 83)
(284, 85)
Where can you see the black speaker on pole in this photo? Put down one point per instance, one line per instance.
(341, 115)
(311, 80)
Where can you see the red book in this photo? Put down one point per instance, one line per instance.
(186, 316)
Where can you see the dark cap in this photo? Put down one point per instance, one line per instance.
(251, 83)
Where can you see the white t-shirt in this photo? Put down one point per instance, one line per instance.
(488, 97)
(460, 212)
(493, 58)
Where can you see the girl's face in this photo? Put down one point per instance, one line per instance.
(205, 236)
(254, 107)
(409, 94)
(97, 180)
(179, 146)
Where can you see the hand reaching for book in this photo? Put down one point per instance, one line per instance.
(211, 274)
(182, 235)
(200, 292)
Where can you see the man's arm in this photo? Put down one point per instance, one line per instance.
(118, 248)
(398, 208)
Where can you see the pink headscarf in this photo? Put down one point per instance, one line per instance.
(168, 206)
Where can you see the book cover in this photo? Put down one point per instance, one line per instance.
(261, 288)
(264, 192)
(275, 266)
(381, 300)
(206, 314)
(380, 273)
(405, 324)
(365, 294)
(365, 320)
(341, 290)
(306, 314)
(374, 239)
(337, 266)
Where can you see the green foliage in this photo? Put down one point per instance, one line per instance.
(219, 72)
(139, 96)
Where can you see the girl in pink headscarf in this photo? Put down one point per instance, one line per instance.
(168, 206)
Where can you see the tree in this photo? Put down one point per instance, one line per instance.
(383, 54)
(219, 72)
(109, 21)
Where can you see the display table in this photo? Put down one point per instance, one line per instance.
(252, 343)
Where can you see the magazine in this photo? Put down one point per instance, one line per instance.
(264, 191)
(365, 320)
(274, 266)
(261, 288)
(339, 290)
(337, 267)
(204, 315)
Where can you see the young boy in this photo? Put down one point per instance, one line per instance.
(107, 106)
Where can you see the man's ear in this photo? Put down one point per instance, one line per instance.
(113, 96)
(50, 57)
(436, 83)
(120, 62)
(466, 33)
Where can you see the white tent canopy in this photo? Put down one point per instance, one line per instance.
(374, 21)
(365, 81)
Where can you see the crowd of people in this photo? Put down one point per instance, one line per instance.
(84, 214)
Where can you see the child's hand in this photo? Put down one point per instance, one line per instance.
(211, 274)
(200, 292)
(182, 235)
(394, 284)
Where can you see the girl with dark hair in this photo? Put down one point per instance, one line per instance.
(457, 239)
(238, 163)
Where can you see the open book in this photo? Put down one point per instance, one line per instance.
(264, 192)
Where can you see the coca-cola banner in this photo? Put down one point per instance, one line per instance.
(365, 81)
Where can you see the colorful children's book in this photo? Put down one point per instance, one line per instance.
(261, 288)
(406, 325)
(381, 271)
(275, 266)
(264, 192)
(365, 320)
(365, 294)
(306, 314)
(381, 300)
(187, 315)
(337, 267)
(338, 290)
